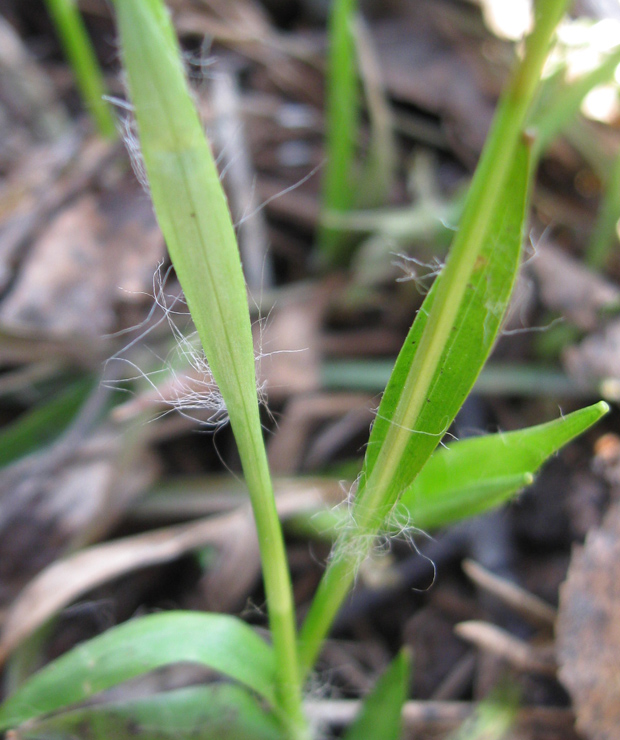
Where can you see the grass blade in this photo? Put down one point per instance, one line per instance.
(218, 641)
(560, 101)
(342, 111)
(193, 214)
(222, 711)
(42, 424)
(79, 51)
(380, 716)
(605, 233)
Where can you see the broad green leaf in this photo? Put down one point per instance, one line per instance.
(469, 342)
(380, 716)
(218, 641)
(213, 712)
(476, 474)
(43, 424)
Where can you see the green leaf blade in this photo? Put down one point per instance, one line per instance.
(476, 474)
(380, 716)
(219, 641)
(189, 201)
(217, 711)
(398, 453)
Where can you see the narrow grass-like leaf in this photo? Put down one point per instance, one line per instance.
(213, 712)
(79, 50)
(559, 100)
(219, 641)
(473, 475)
(42, 424)
(452, 335)
(342, 111)
(193, 214)
(526, 380)
(380, 716)
(380, 165)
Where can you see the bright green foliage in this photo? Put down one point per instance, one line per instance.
(218, 641)
(380, 716)
(403, 435)
(79, 50)
(425, 393)
(473, 475)
(445, 350)
(213, 712)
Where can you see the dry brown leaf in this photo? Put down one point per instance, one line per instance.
(568, 286)
(588, 631)
(66, 580)
(96, 252)
(65, 497)
(597, 359)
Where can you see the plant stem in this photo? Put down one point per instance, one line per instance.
(275, 571)
(79, 50)
(382, 487)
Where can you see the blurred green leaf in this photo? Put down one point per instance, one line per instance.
(494, 716)
(476, 474)
(42, 424)
(80, 52)
(560, 100)
(342, 113)
(212, 712)
(219, 641)
(380, 715)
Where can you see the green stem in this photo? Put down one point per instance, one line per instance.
(275, 570)
(381, 491)
(79, 51)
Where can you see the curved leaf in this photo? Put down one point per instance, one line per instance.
(218, 641)
(214, 712)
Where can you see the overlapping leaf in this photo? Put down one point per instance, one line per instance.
(219, 641)
(212, 712)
